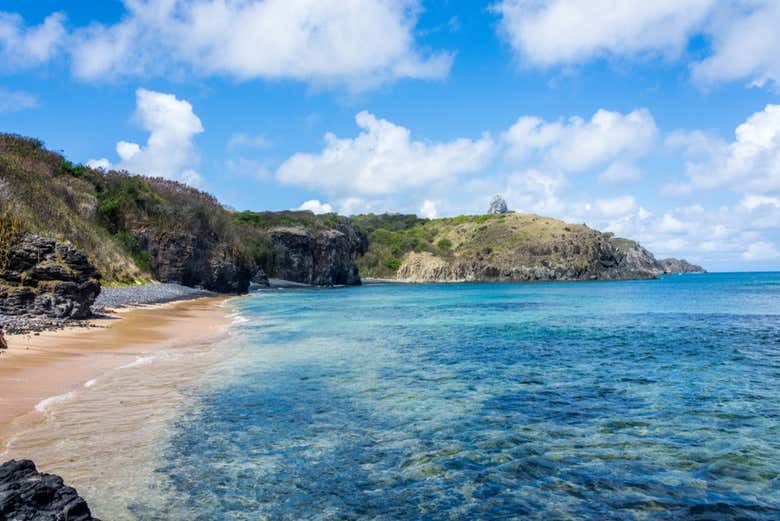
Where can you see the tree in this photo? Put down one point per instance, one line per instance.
(497, 206)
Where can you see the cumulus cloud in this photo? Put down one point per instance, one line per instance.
(16, 100)
(315, 206)
(745, 40)
(553, 32)
(169, 152)
(750, 163)
(361, 43)
(383, 159)
(22, 46)
(577, 145)
(743, 33)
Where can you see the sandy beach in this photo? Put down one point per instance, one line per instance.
(40, 370)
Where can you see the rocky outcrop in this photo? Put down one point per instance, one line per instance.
(320, 257)
(676, 266)
(45, 277)
(517, 247)
(194, 259)
(28, 495)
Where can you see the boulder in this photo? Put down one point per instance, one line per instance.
(46, 277)
(28, 495)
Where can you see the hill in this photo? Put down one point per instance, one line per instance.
(137, 229)
(501, 247)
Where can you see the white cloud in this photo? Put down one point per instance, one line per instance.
(23, 47)
(761, 250)
(316, 206)
(100, 164)
(16, 100)
(361, 42)
(169, 151)
(750, 163)
(553, 32)
(383, 159)
(743, 33)
(428, 209)
(577, 145)
(745, 39)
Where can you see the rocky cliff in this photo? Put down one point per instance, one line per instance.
(317, 257)
(520, 247)
(28, 495)
(139, 229)
(675, 266)
(40, 276)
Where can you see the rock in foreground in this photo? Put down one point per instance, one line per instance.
(28, 495)
(44, 277)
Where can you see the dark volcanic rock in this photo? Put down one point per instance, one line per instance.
(318, 257)
(27, 495)
(194, 259)
(46, 277)
(675, 266)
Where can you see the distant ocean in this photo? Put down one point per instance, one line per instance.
(641, 400)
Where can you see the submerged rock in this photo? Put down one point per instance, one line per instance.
(28, 495)
(46, 277)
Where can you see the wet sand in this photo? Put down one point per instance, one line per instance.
(38, 371)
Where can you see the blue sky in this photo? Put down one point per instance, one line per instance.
(659, 122)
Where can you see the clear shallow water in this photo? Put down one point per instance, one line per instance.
(655, 400)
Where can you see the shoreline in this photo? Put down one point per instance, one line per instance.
(41, 370)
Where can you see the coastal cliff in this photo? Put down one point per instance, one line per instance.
(502, 247)
(137, 229)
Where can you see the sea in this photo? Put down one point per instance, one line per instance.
(627, 400)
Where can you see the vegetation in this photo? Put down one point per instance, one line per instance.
(514, 235)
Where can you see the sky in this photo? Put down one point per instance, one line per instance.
(658, 121)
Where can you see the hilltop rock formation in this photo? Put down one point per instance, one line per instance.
(323, 257)
(674, 266)
(497, 206)
(28, 495)
(45, 277)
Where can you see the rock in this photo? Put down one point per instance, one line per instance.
(260, 280)
(324, 257)
(3, 343)
(194, 259)
(674, 266)
(27, 495)
(497, 206)
(46, 277)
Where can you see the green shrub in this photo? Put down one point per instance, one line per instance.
(444, 244)
(393, 264)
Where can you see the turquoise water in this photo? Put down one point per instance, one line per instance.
(655, 400)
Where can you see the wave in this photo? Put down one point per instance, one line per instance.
(141, 360)
(43, 405)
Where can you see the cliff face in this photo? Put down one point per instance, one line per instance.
(44, 277)
(317, 257)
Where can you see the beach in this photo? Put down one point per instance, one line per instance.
(86, 386)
